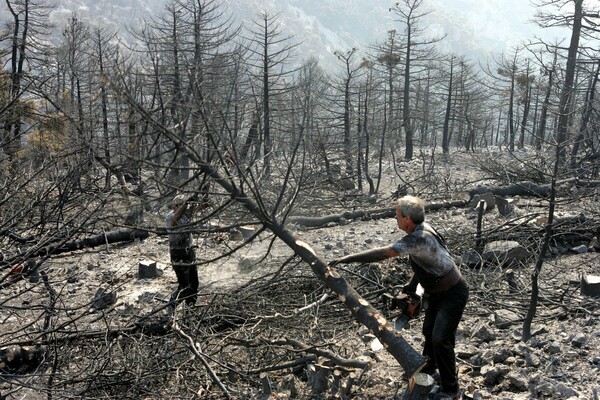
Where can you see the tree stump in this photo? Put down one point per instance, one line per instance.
(481, 207)
(347, 387)
(505, 207)
(267, 389)
(336, 384)
(590, 285)
(247, 231)
(509, 275)
(489, 201)
(147, 269)
(318, 378)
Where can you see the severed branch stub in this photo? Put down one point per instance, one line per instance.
(419, 387)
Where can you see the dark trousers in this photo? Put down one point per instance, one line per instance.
(443, 314)
(183, 262)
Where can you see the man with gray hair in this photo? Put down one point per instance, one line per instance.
(435, 270)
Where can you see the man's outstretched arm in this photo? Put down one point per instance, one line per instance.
(371, 255)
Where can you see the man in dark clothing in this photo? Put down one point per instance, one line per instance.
(435, 270)
(183, 258)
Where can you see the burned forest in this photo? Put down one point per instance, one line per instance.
(299, 164)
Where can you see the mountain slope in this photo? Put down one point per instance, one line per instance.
(473, 28)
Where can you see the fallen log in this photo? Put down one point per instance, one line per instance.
(125, 235)
(525, 188)
(148, 325)
(528, 188)
(362, 215)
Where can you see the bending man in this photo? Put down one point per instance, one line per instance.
(433, 268)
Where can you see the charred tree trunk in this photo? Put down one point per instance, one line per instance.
(587, 113)
(98, 240)
(541, 133)
(568, 85)
(316, 222)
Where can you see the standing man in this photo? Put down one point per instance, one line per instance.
(433, 268)
(183, 258)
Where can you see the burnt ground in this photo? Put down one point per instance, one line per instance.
(562, 360)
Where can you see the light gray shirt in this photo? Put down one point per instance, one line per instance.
(180, 236)
(426, 250)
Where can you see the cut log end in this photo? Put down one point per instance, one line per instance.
(419, 386)
(590, 285)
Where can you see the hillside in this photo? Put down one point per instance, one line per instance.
(473, 29)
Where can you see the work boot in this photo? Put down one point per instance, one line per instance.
(432, 371)
(444, 396)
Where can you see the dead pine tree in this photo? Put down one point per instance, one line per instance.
(565, 109)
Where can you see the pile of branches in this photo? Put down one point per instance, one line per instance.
(272, 334)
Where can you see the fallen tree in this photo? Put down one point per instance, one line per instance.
(410, 360)
(23, 265)
(525, 189)
(319, 222)
(529, 188)
(124, 235)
